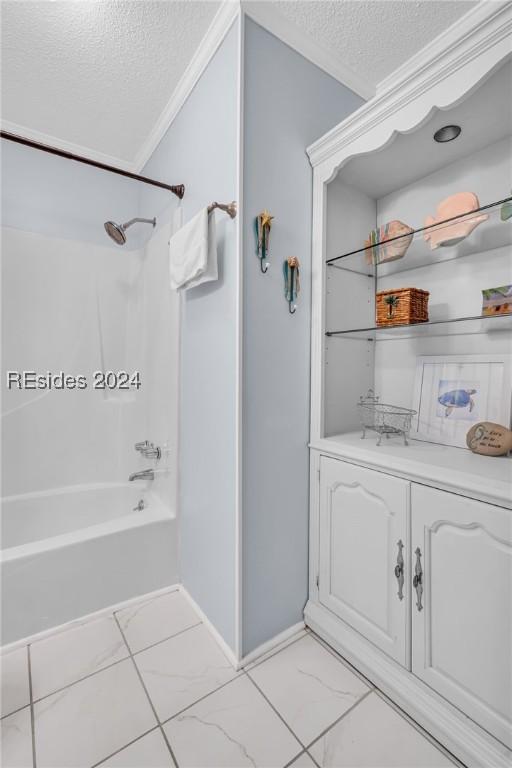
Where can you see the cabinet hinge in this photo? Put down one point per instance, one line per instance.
(318, 581)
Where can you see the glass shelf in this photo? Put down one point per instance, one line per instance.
(433, 244)
(463, 326)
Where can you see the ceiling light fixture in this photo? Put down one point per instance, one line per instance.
(447, 133)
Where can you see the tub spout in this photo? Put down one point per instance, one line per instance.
(146, 474)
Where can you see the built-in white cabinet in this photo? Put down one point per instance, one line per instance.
(363, 546)
(462, 636)
(425, 576)
(411, 544)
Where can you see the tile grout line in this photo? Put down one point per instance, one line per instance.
(32, 718)
(158, 642)
(164, 735)
(277, 713)
(129, 744)
(292, 761)
(206, 695)
(312, 758)
(107, 666)
(80, 679)
(339, 719)
(15, 711)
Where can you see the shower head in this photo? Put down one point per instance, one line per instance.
(117, 231)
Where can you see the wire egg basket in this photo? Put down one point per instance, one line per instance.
(383, 418)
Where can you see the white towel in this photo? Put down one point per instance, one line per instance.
(193, 252)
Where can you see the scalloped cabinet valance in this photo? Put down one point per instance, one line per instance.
(411, 545)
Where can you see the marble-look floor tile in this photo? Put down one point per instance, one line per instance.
(149, 622)
(16, 749)
(83, 724)
(14, 674)
(231, 728)
(181, 670)
(150, 751)
(68, 656)
(303, 761)
(373, 734)
(308, 687)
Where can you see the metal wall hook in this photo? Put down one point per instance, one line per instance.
(292, 308)
(267, 265)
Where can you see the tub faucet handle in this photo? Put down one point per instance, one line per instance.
(142, 445)
(151, 452)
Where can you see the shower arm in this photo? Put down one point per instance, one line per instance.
(137, 219)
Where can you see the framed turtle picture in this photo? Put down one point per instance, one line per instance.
(452, 392)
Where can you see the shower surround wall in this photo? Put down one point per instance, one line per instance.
(244, 360)
(75, 302)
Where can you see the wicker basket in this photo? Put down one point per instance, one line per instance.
(402, 306)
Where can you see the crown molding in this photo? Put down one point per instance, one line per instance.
(474, 19)
(485, 34)
(265, 14)
(215, 34)
(67, 146)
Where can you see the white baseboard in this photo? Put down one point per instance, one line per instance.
(87, 617)
(272, 644)
(258, 652)
(226, 649)
(263, 649)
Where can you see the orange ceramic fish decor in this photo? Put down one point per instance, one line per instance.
(461, 205)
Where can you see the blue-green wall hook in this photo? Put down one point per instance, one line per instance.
(291, 282)
(263, 223)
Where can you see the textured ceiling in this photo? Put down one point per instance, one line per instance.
(373, 37)
(96, 74)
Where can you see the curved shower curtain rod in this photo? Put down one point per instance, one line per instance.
(177, 189)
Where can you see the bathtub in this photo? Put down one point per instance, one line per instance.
(72, 551)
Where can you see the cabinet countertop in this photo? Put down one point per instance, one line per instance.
(457, 470)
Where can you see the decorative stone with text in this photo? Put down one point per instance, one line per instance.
(489, 439)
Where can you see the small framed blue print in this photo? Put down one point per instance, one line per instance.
(453, 392)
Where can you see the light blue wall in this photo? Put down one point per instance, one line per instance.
(200, 151)
(288, 104)
(53, 196)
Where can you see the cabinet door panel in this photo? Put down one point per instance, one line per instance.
(363, 516)
(462, 639)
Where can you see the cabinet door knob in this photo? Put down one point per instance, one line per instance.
(417, 581)
(399, 570)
